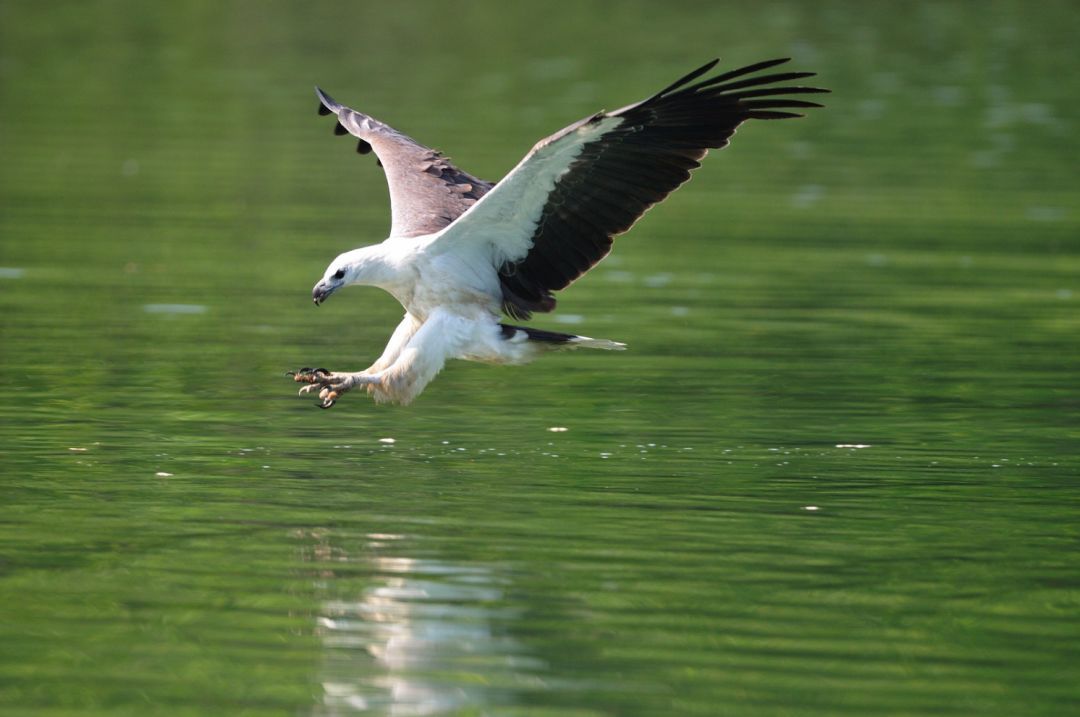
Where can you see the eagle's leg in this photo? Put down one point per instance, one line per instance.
(417, 352)
(329, 384)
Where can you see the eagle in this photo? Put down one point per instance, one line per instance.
(464, 252)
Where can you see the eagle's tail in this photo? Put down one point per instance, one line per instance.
(557, 339)
(591, 343)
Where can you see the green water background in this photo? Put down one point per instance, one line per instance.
(180, 534)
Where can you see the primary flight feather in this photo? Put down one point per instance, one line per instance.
(463, 251)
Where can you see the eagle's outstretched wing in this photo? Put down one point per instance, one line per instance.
(553, 217)
(427, 193)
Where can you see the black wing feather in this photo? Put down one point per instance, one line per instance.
(620, 175)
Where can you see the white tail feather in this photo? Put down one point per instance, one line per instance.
(590, 343)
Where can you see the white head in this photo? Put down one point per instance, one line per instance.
(358, 266)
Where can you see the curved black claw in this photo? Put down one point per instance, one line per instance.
(308, 374)
(317, 378)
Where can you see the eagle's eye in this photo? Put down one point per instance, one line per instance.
(339, 274)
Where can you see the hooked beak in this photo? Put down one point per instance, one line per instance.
(321, 291)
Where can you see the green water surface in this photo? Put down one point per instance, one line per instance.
(834, 474)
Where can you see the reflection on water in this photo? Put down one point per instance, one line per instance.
(419, 639)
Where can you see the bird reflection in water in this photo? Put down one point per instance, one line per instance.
(421, 637)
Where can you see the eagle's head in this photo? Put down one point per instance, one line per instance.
(336, 276)
(359, 266)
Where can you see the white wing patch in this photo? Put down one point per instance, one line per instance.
(500, 226)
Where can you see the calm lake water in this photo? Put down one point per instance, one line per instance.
(836, 472)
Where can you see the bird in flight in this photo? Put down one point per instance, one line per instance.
(462, 251)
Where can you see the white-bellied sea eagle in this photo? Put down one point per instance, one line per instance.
(462, 251)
